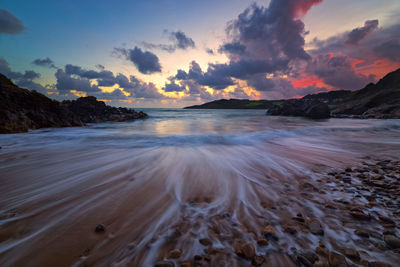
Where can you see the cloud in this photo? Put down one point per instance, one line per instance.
(24, 80)
(146, 62)
(232, 48)
(47, 62)
(337, 71)
(389, 50)
(180, 41)
(173, 87)
(66, 83)
(210, 51)
(76, 78)
(357, 34)
(10, 24)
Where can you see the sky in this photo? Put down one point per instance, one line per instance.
(175, 53)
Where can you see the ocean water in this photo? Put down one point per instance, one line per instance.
(166, 181)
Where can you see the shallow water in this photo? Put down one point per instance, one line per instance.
(164, 182)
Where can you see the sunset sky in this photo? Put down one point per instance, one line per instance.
(175, 53)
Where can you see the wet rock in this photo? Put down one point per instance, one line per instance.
(258, 260)
(304, 261)
(310, 256)
(198, 257)
(378, 264)
(315, 228)
(175, 254)
(269, 233)
(362, 233)
(262, 242)
(205, 242)
(321, 251)
(348, 170)
(164, 264)
(352, 253)
(100, 228)
(248, 251)
(360, 215)
(290, 230)
(336, 260)
(392, 241)
(386, 220)
(186, 264)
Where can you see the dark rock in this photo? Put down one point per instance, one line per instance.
(205, 242)
(310, 108)
(360, 215)
(175, 254)
(392, 241)
(304, 261)
(315, 228)
(22, 110)
(378, 264)
(186, 264)
(269, 233)
(352, 253)
(336, 260)
(164, 264)
(100, 228)
(248, 251)
(262, 242)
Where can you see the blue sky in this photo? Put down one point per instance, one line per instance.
(86, 33)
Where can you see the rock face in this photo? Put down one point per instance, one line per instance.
(21, 110)
(90, 110)
(310, 108)
(380, 100)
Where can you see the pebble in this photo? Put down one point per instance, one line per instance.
(392, 241)
(100, 228)
(378, 264)
(351, 253)
(262, 242)
(186, 264)
(164, 264)
(360, 215)
(316, 228)
(269, 232)
(175, 254)
(205, 242)
(336, 260)
(248, 251)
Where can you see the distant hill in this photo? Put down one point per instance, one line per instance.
(380, 100)
(237, 104)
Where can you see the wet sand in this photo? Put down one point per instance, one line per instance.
(211, 206)
(322, 193)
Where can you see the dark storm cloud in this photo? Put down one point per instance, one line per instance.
(389, 50)
(10, 24)
(338, 72)
(232, 48)
(173, 87)
(65, 83)
(76, 78)
(146, 62)
(357, 34)
(47, 62)
(378, 43)
(261, 41)
(24, 80)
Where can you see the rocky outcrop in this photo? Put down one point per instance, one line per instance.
(380, 100)
(90, 110)
(22, 109)
(310, 108)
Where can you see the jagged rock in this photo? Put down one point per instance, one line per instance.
(310, 108)
(22, 110)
